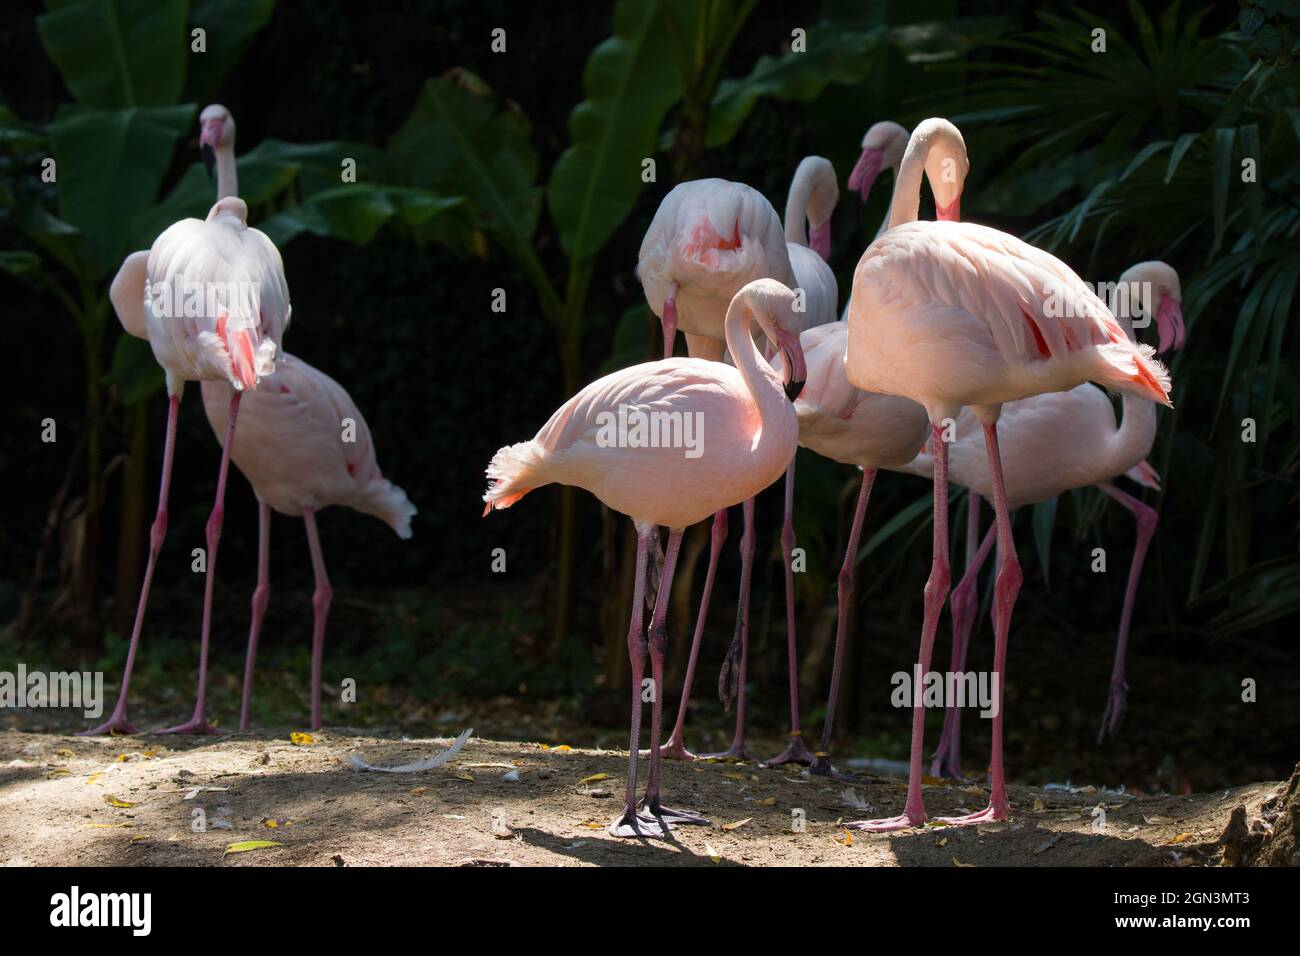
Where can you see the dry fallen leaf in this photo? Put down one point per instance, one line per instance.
(113, 801)
(275, 824)
(1038, 806)
(419, 789)
(58, 772)
(957, 862)
(711, 853)
(593, 778)
(733, 776)
(1181, 838)
(942, 841)
(464, 776)
(65, 753)
(770, 801)
(93, 778)
(737, 825)
(593, 825)
(301, 740)
(845, 839)
(106, 826)
(248, 845)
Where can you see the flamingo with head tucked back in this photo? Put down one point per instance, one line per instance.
(303, 445)
(213, 302)
(954, 314)
(1049, 444)
(747, 430)
(708, 238)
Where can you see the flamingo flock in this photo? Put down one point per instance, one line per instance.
(964, 355)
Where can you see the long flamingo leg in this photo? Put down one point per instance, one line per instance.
(735, 669)
(796, 751)
(1005, 589)
(823, 761)
(964, 604)
(675, 748)
(658, 645)
(261, 597)
(936, 594)
(117, 722)
(1146, 518)
(630, 823)
(320, 604)
(198, 724)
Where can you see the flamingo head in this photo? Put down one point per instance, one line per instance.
(216, 130)
(815, 179)
(772, 306)
(882, 146)
(946, 165)
(229, 206)
(1155, 292)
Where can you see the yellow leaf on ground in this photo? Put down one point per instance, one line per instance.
(248, 845)
(711, 853)
(1181, 838)
(65, 753)
(737, 825)
(419, 789)
(593, 825)
(768, 802)
(58, 772)
(957, 862)
(733, 776)
(275, 824)
(942, 841)
(594, 777)
(106, 826)
(561, 749)
(93, 778)
(845, 838)
(301, 740)
(113, 801)
(1038, 806)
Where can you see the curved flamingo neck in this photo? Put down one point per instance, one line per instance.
(757, 374)
(884, 222)
(905, 205)
(796, 207)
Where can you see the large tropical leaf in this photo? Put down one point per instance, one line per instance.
(118, 53)
(110, 165)
(461, 141)
(630, 80)
(832, 56)
(229, 27)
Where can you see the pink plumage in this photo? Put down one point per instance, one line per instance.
(297, 450)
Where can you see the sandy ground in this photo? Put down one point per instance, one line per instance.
(124, 801)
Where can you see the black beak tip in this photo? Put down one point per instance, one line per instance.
(793, 389)
(209, 157)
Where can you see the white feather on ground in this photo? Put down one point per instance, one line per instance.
(429, 763)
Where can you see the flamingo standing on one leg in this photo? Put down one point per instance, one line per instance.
(749, 433)
(813, 195)
(954, 314)
(708, 238)
(303, 445)
(1050, 444)
(215, 306)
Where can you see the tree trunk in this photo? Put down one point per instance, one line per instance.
(130, 535)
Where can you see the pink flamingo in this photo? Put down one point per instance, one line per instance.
(708, 238)
(882, 148)
(749, 433)
(213, 302)
(1049, 444)
(954, 314)
(303, 445)
(217, 148)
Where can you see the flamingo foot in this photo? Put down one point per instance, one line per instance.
(822, 767)
(947, 763)
(675, 750)
(116, 725)
(667, 816)
(736, 752)
(995, 812)
(902, 822)
(637, 826)
(1114, 714)
(194, 725)
(795, 752)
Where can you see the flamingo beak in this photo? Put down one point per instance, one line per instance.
(669, 321)
(1169, 320)
(209, 139)
(792, 363)
(865, 171)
